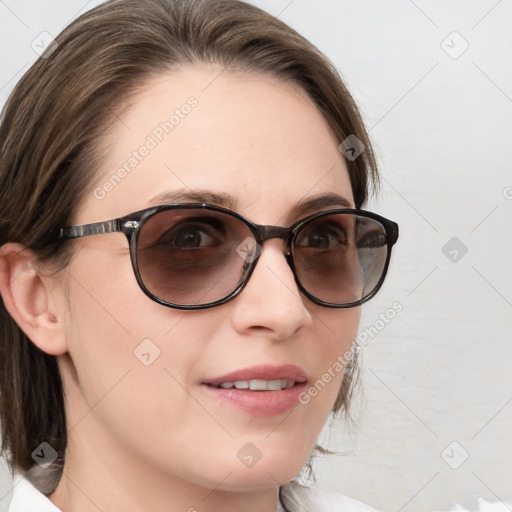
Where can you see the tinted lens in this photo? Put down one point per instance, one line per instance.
(340, 258)
(192, 257)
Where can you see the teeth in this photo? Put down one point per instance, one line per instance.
(259, 385)
(273, 385)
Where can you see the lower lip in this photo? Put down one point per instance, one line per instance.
(259, 403)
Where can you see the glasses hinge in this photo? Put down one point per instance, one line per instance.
(132, 224)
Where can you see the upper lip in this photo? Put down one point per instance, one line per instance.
(262, 372)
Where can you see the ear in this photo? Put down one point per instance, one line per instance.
(27, 296)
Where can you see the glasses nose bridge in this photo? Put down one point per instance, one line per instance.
(262, 233)
(270, 232)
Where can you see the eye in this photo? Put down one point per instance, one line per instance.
(375, 238)
(190, 235)
(188, 238)
(324, 237)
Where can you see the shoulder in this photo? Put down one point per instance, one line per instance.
(26, 498)
(299, 498)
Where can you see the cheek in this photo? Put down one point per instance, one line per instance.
(132, 359)
(120, 341)
(336, 331)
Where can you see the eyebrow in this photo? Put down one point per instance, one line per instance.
(304, 207)
(318, 202)
(195, 196)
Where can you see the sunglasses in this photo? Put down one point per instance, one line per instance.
(196, 256)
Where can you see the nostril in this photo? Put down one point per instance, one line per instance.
(260, 329)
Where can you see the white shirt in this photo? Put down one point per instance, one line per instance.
(26, 498)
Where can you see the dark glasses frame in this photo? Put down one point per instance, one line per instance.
(132, 224)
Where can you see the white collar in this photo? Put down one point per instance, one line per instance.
(26, 498)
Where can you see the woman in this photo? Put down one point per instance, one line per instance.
(183, 260)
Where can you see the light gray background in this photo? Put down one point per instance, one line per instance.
(439, 372)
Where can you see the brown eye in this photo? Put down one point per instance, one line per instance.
(324, 237)
(375, 238)
(190, 236)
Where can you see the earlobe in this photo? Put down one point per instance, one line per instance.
(27, 297)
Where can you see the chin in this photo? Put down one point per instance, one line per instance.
(247, 481)
(264, 474)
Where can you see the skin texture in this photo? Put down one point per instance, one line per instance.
(150, 437)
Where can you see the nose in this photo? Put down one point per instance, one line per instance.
(271, 305)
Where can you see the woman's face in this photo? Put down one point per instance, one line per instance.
(136, 372)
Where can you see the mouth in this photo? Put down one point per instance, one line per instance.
(258, 384)
(261, 391)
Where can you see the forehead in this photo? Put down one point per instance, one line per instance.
(257, 139)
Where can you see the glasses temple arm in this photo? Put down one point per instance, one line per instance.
(97, 228)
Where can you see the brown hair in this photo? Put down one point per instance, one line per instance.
(49, 133)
